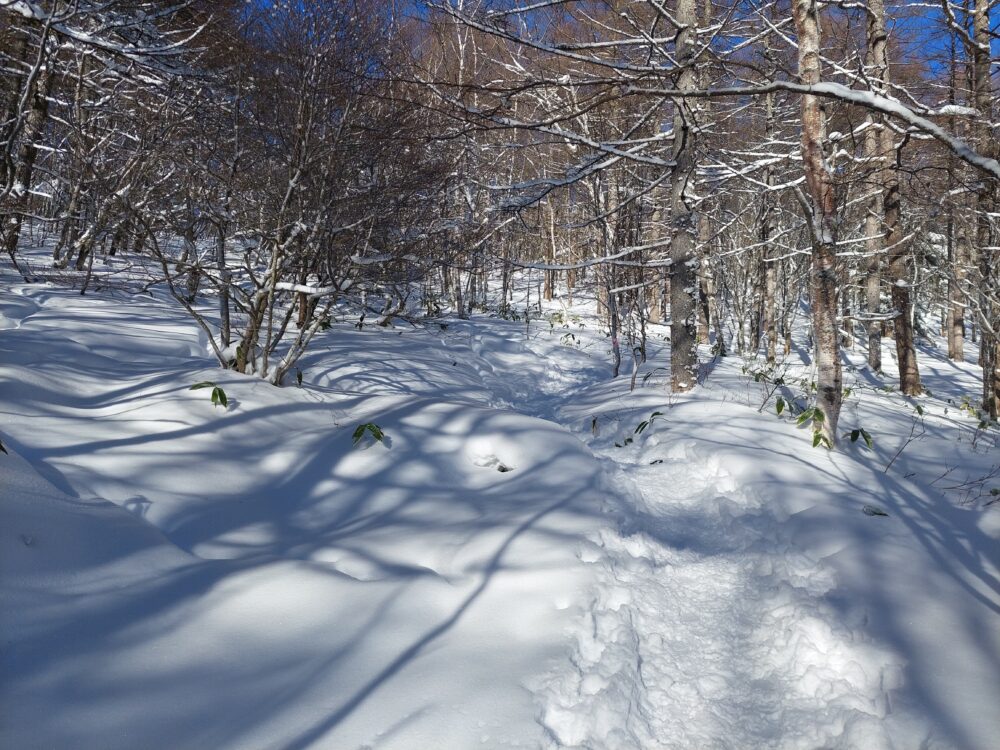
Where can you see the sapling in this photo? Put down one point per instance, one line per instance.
(860, 432)
(219, 397)
(984, 424)
(971, 487)
(918, 421)
(814, 416)
(647, 422)
(640, 428)
(368, 428)
(772, 379)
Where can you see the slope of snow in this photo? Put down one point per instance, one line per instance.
(499, 572)
(259, 582)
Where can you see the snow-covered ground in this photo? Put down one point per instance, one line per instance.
(498, 572)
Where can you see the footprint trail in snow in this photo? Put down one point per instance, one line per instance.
(706, 628)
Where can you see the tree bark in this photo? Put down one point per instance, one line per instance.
(26, 155)
(875, 245)
(985, 202)
(957, 242)
(683, 274)
(821, 203)
(225, 325)
(896, 247)
(17, 54)
(899, 273)
(768, 229)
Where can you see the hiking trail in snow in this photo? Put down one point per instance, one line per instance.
(706, 627)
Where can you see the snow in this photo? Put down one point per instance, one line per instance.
(867, 99)
(313, 290)
(23, 7)
(496, 573)
(264, 579)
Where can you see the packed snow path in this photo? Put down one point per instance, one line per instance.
(706, 628)
(488, 580)
(708, 631)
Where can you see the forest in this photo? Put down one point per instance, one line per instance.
(499, 373)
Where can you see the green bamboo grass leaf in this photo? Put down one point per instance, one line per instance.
(219, 397)
(370, 428)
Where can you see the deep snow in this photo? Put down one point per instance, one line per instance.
(176, 575)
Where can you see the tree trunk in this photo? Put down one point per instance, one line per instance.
(8, 124)
(899, 277)
(550, 275)
(956, 291)
(26, 155)
(613, 327)
(957, 243)
(898, 260)
(683, 277)
(823, 215)
(69, 232)
(704, 313)
(704, 222)
(459, 299)
(225, 326)
(875, 245)
(986, 200)
(768, 229)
